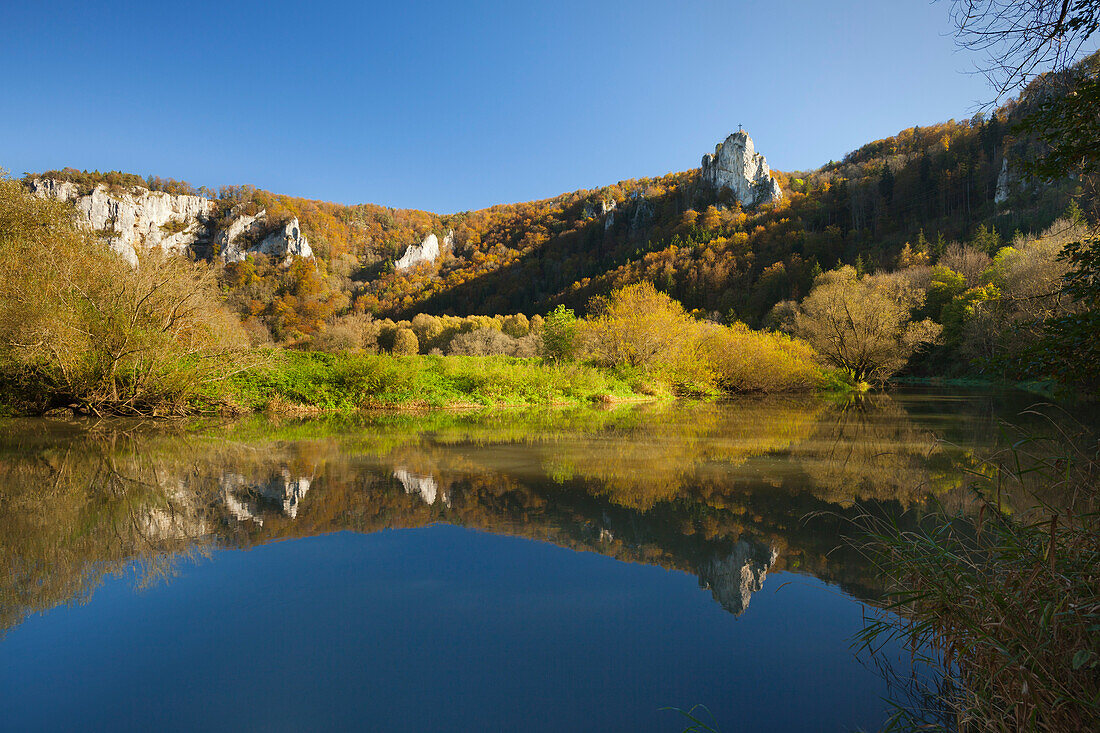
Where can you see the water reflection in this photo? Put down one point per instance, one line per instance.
(727, 492)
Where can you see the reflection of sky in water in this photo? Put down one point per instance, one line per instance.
(685, 514)
(430, 629)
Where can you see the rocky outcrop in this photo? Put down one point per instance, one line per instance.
(428, 250)
(733, 579)
(241, 234)
(590, 211)
(286, 242)
(607, 209)
(1004, 181)
(737, 166)
(643, 212)
(251, 234)
(138, 219)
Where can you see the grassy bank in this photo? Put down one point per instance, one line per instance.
(289, 381)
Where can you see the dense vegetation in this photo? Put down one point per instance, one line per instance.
(1001, 609)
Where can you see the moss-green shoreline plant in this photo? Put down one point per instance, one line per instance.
(352, 382)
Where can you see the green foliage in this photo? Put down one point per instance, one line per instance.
(559, 334)
(299, 381)
(946, 285)
(1082, 281)
(963, 308)
(986, 239)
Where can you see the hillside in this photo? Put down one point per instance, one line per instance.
(925, 186)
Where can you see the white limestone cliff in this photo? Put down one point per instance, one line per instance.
(286, 242)
(234, 241)
(239, 239)
(428, 250)
(736, 165)
(138, 219)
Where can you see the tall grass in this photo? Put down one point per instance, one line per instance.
(1003, 607)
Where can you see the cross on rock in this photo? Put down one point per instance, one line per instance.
(739, 128)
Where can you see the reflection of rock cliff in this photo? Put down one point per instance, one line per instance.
(426, 487)
(734, 578)
(179, 517)
(247, 499)
(683, 487)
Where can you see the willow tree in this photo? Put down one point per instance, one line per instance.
(863, 325)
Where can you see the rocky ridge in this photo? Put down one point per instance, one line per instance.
(138, 219)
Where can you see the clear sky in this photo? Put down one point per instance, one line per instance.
(449, 106)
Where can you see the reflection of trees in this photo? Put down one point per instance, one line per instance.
(721, 491)
(867, 448)
(69, 514)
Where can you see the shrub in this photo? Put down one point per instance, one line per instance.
(558, 334)
(744, 360)
(405, 343)
(482, 342)
(516, 326)
(638, 326)
(351, 332)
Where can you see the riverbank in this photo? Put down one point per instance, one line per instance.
(303, 381)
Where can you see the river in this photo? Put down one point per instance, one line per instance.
(552, 570)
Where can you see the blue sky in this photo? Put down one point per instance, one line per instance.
(453, 106)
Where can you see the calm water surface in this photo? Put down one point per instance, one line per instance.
(553, 570)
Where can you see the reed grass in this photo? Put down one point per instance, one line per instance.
(1002, 607)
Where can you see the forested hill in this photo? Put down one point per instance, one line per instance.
(925, 186)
